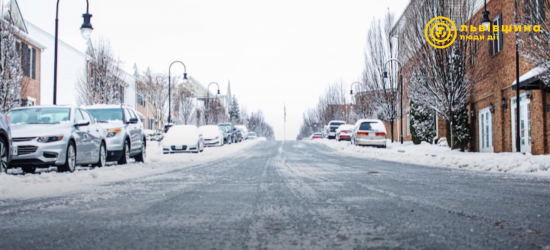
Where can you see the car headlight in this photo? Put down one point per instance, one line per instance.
(217, 137)
(46, 139)
(112, 132)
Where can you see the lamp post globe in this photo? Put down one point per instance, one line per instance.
(86, 28)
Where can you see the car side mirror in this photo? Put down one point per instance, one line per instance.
(82, 123)
(133, 120)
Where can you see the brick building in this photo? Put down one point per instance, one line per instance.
(493, 99)
(30, 50)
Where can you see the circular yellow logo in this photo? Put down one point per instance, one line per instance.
(440, 32)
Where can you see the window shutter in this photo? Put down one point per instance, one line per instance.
(541, 10)
(33, 63)
(27, 61)
(490, 42)
(500, 36)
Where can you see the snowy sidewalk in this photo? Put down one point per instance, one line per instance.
(51, 183)
(430, 155)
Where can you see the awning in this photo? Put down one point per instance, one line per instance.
(529, 80)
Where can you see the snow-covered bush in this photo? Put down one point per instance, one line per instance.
(422, 124)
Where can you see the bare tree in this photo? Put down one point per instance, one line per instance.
(184, 104)
(383, 91)
(259, 125)
(536, 45)
(102, 81)
(440, 79)
(213, 111)
(11, 70)
(154, 88)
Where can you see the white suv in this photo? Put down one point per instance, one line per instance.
(332, 127)
(124, 131)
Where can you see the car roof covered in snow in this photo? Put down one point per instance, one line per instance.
(101, 106)
(368, 120)
(336, 121)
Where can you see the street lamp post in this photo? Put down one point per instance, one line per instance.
(518, 145)
(400, 86)
(169, 87)
(351, 95)
(86, 31)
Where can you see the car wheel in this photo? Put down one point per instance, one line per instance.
(125, 157)
(141, 156)
(4, 155)
(102, 156)
(70, 159)
(29, 170)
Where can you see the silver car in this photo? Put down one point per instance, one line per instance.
(124, 132)
(6, 148)
(62, 136)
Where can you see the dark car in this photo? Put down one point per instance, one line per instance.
(242, 134)
(231, 130)
(6, 148)
(226, 135)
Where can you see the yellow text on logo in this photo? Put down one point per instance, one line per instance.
(440, 32)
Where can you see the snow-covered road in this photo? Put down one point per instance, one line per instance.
(51, 183)
(289, 195)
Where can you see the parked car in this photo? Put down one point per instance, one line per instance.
(369, 132)
(212, 135)
(124, 132)
(62, 136)
(332, 126)
(244, 131)
(231, 130)
(344, 132)
(252, 135)
(227, 139)
(182, 139)
(6, 145)
(316, 136)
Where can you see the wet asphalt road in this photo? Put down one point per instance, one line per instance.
(291, 195)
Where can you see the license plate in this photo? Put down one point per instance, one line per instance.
(179, 147)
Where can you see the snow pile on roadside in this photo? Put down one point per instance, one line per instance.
(48, 184)
(430, 155)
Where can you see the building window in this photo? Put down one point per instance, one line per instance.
(29, 101)
(140, 100)
(28, 60)
(496, 45)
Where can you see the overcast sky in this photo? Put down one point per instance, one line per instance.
(272, 51)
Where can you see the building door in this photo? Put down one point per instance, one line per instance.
(524, 122)
(485, 131)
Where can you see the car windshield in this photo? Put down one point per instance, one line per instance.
(40, 115)
(372, 126)
(106, 115)
(251, 134)
(336, 124)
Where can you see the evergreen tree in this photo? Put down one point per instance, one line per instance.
(234, 113)
(461, 130)
(422, 124)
